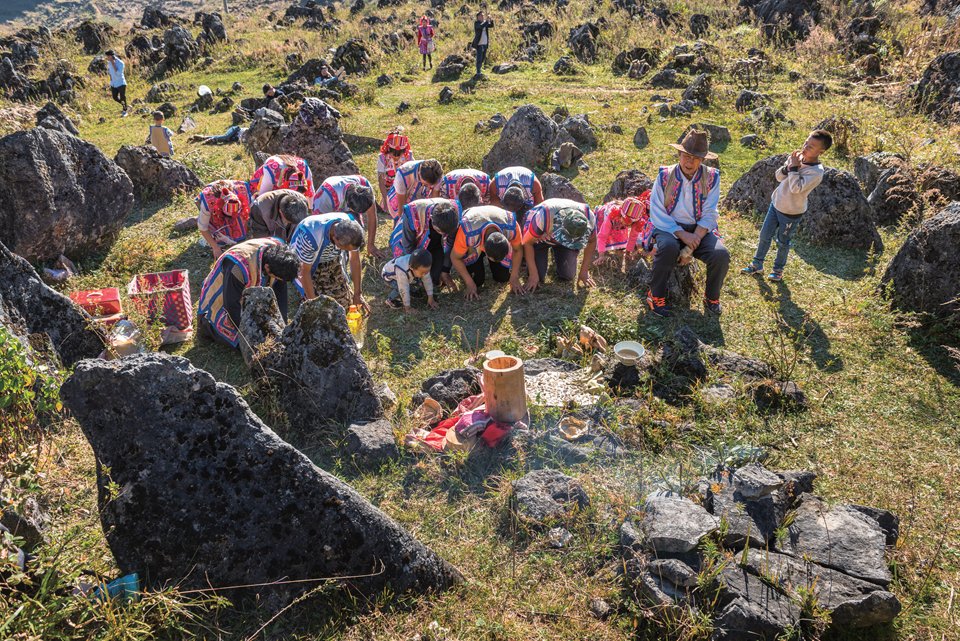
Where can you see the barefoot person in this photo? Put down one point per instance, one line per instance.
(683, 210)
(798, 178)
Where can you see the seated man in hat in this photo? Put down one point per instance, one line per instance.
(566, 227)
(487, 234)
(683, 210)
(277, 213)
(353, 195)
(261, 262)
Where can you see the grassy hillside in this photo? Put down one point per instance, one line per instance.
(882, 429)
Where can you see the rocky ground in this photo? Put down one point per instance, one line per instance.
(784, 470)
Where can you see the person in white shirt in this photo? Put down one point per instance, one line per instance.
(118, 82)
(683, 210)
(798, 177)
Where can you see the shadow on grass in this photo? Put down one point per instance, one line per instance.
(932, 341)
(804, 326)
(848, 264)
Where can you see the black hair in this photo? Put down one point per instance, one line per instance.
(358, 198)
(110, 52)
(496, 246)
(350, 233)
(431, 171)
(420, 259)
(823, 136)
(158, 115)
(469, 195)
(513, 199)
(444, 218)
(267, 87)
(294, 209)
(282, 261)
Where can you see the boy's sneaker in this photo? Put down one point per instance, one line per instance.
(751, 269)
(658, 306)
(775, 276)
(712, 306)
(123, 114)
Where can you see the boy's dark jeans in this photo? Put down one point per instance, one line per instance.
(710, 250)
(782, 226)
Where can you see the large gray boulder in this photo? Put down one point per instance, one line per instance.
(557, 186)
(838, 214)
(155, 176)
(787, 20)
(674, 525)
(924, 276)
(211, 497)
(315, 136)
(321, 378)
(265, 133)
(28, 307)
(629, 182)
(58, 194)
(526, 140)
(937, 93)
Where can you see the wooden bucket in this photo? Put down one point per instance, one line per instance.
(503, 389)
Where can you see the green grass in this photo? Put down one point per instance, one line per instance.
(884, 399)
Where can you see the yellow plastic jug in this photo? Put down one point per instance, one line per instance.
(355, 324)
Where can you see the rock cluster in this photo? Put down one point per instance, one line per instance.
(58, 194)
(315, 135)
(837, 553)
(213, 498)
(937, 93)
(530, 139)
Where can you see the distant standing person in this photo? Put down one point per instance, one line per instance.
(481, 37)
(425, 41)
(118, 82)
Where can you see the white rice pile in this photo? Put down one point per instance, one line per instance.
(556, 389)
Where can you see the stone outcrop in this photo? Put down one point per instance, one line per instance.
(526, 140)
(545, 496)
(211, 497)
(937, 93)
(315, 136)
(924, 276)
(40, 316)
(155, 176)
(58, 194)
(836, 553)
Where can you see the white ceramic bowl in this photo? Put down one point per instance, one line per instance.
(629, 352)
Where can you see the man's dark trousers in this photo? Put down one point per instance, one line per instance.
(710, 250)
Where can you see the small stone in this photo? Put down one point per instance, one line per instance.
(754, 481)
(372, 444)
(675, 525)
(547, 495)
(403, 107)
(641, 139)
(387, 398)
(600, 608)
(559, 537)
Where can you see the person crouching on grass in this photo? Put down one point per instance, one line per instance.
(798, 177)
(401, 272)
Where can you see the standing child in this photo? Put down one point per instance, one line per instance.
(425, 41)
(159, 136)
(798, 177)
(400, 272)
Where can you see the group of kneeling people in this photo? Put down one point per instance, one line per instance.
(279, 227)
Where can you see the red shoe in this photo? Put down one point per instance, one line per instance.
(658, 305)
(712, 306)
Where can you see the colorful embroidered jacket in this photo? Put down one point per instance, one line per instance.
(509, 175)
(274, 173)
(412, 231)
(621, 224)
(474, 224)
(454, 180)
(330, 195)
(538, 225)
(407, 182)
(226, 229)
(665, 197)
(311, 239)
(244, 259)
(388, 165)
